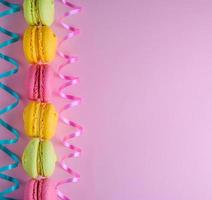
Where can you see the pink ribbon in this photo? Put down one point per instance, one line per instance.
(73, 100)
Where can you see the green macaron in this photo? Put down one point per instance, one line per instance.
(39, 12)
(39, 158)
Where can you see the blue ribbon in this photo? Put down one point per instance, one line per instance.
(15, 159)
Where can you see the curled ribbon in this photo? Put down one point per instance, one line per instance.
(73, 100)
(13, 8)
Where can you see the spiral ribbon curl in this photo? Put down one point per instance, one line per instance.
(13, 8)
(73, 100)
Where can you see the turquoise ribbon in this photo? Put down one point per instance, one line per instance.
(15, 159)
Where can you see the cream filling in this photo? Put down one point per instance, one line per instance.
(39, 160)
(36, 43)
(40, 44)
(38, 188)
(32, 43)
(37, 12)
(39, 120)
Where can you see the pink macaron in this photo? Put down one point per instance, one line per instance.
(43, 189)
(39, 82)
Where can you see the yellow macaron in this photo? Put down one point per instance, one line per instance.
(39, 43)
(40, 120)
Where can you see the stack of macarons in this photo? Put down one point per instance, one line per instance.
(40, 116)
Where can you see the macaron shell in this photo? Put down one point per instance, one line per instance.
(29, 44)
(46, 11)
(28, 9)
(32, 83)
(46, 83)
(49, 158)
(49, 121)
(30, 189)
(31, 117)
(29, 158)
(49, 43)
(49, 190)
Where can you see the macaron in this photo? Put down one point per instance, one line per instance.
(39, 43)
(39, 158)
(39, 12)
(39, 82)
(43, 189)
(40, 120)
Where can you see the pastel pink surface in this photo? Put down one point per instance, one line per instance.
(45, 190)
(44, 88)
(146, 80)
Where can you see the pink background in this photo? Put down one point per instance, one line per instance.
(146, 83)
